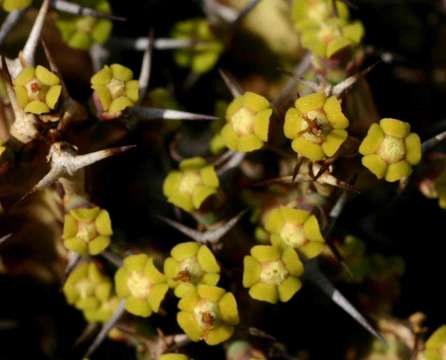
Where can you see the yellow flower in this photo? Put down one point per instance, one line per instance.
(86, 288)
(332, 36)
(87, 230)
(310, 14)
(202, 56)
(247, 125)
(209, 315)
(390, 149)
(140, 283)
(172, 356)
(37, 89)
(271, 273)
(115, 88)
(436, 345)
(295, 228)
(81, 32)
(189, 187)
(316, 125)
(191, 264)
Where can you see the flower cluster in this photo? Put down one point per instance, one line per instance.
(81, 32)
(247, 125)
(210, 314)
(203, 55)
(115, 89)
(191, 264)
(90, 291)
(324, 31)
(316, 125)
(189, 187)
(87, 230)
(390, 149)
(37, 89)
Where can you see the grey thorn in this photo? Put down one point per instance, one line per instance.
(314, 275)
(142, 43)
(112, 258)
(150, 113)
(146, 67)
(209, 236)
(106, 329)
(33, 40)
(234, 161)
(99, 55)
(73, 260)
(433, 141)
(246, 10)
(346, 84)
(4, 238)
(76, 9)
(233, 86)
(10, 22)
(217, 12)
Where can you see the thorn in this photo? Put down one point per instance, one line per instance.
(99, 55)
(33, 40)
(299, 163)
(76, 9)
(433, 141)
(218, 13)
(65, 161)
(233, 162)
(245, 11)
(112, 258)
(4, 238)
(73, 260)
(346, 84)
(106, 328)
(209, 236)
(53, 67)
(10, 22)
(149, 113)
(313, 274)
(142, 43)
(146, 66)
(233, 86)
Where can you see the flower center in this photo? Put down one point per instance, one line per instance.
(138, 285)
(243, 121)
(189, 181)
(392, 149)
(293, 235)
(206, 314)
(86, 24)
(85, 288)
(86, 231)
(116, 88)
(35, 90)
(190, 270)
(315, 127)
(273, 272)
(328, 33)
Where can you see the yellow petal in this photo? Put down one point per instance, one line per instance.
(37, 107)
(103, 223)
(274, 220)
(188, 303)
(207, 260)
(200, 194)
(233, 107)
(413, 149)
(249, 143)
(102, 77)
(53, 95)
(209, 176)
(46, 77)
(138, 307)
(292, 262)
(189, 325)
(264, 253)
(171, 183)
(153, 273)
(354, 31)
(184, 289)
(312, 230)
(156, 296)
(398, 171)
(212, 293)
(121, 72)
(21, 96)
(194, 163)
(85, 214)
(372, 141)
(171, 268)
(103, 95)
(119, 104)
(394, 127)
(98, 245)
(121, 278)
(136, 262)
(337, 45)
(261, 124)
(251, 271)
(308, 149)
(77, 245)
(228, 309)
(288, 288)
(173, 357)
(210, 279)
(264, 292)
(219, 334)
(24, 76)
(333, 110)
(375, 164)
(333, 141)
(132, 90)
(310, 102)
(312, 249)
(69, 226)
(295, 216)
(255, 102)
(185, 250)
(292, 124)
(183, 201)
(229, 136)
